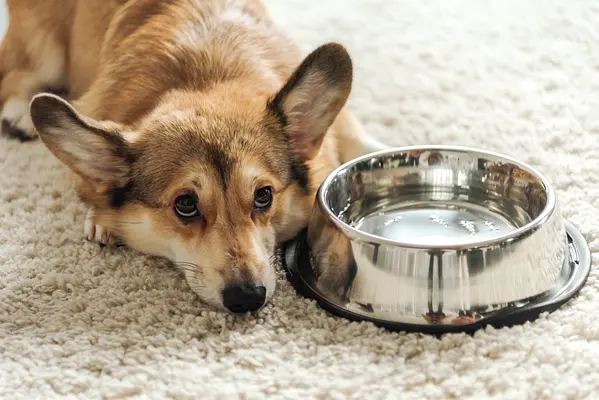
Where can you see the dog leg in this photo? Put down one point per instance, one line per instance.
(97, 233)
(26, 68)
(329, 247)
(331, 255)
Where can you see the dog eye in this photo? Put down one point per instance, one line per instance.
(186, 206)
(263, 197)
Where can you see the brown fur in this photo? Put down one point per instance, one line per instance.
(205, 98)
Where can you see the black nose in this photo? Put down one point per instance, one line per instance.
(244, 298)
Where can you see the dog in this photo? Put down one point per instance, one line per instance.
(195, 128)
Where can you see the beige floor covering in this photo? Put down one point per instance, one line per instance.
(519, 77)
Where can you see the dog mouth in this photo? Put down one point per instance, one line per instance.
(234, 297)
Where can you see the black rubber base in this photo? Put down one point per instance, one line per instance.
(577, 266)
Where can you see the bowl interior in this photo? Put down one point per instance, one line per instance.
(437, 196)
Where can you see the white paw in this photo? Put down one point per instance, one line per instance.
(97, 233)
(16, 120)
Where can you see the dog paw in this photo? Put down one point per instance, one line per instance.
(16, 120)
(97, 233)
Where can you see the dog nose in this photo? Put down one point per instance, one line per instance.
(244, 298)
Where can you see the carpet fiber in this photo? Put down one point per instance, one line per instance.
(516, 77)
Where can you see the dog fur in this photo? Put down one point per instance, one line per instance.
(175, 98)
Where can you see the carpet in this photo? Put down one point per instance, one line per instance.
(522, 78)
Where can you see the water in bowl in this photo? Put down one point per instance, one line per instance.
(436, 223)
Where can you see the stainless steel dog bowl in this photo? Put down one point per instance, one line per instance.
(438, 239)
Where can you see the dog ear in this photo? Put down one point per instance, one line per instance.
(313, 97)
(94, 150)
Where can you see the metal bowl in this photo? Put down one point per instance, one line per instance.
(437, 237)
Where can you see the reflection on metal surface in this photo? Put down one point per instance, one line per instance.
(439, 235)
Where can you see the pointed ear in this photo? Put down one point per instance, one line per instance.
(313, 97)
(94, 150)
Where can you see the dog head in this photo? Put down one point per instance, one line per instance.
(212, 180)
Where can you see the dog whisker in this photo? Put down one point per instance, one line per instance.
(191, 267)
(194, 266)
(127, 222)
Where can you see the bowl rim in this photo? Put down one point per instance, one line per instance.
(355, 234)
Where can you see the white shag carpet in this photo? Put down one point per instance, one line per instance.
(519, 77)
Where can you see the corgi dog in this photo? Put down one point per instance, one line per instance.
(195, 128)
